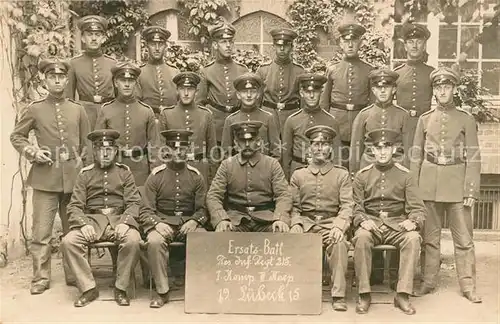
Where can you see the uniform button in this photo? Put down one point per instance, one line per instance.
(177, 180)
(60, 131)
(106, 199)
(127, 118)
(127, 138)
(187, 117)
(58, 116)
(59, 123)
(62, 138)
(177, 173)
(177, 188)
(127, 112)
(127, 132)
(127, 125)
(57, 104)
(187, 123)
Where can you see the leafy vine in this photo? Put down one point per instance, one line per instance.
(201, 14)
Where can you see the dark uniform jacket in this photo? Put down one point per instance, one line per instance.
(258, 183)
(322, 197)
(347, 83)
(387, 195)
(136, 123)
(174, 197)
(281, 81)
(90, 75)
(414, 87)
(60, 126)
(98, 189)
(156, 87)
(447, 159)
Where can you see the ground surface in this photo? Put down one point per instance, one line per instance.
(55, 305)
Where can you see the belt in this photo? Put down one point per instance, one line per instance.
(299, 160)
(384, 214)
(281, 105)
(349, 107)
(249, 209)
(106, 211)
(132, 153)
(175, 213)
(96, 99)
(443, 160)
(61, 154)
(227, 109)
(317, 216)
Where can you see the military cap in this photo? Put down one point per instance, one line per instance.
(223, 30)
(177, 137)
(186, 79)
(93, 23)
(104, 137)
(248, 80)
(381, 77)
(246, 129)
(283, 35)
(444, 75)
(320, 133)
(126, 69)
(156, 34)
(54, 64)
(351, 31)
(383, 136)
(409, 31)
(311, 81)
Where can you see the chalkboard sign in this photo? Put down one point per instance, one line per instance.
(253, 273)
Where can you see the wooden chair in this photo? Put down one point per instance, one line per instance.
(387, 252)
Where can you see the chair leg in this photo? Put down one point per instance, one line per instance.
(89, 255)
(387, 267)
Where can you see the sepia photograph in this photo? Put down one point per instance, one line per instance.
(250, 161)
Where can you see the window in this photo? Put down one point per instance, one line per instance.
(451, 38)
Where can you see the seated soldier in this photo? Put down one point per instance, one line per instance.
(388, 210)
(322, 203)
(103, 207)
(173, 205)
(252, 184)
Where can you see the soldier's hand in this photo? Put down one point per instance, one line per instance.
(336, 235)
(280, 226)
(407, 225)
(297, 228)
(121, 230)
(43, 156)
(224, 226)
(370, 225)
(165, 230)
(189, 226)
(469, 202)
(89, 233)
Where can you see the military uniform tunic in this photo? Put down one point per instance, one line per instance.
(136, 123)
(377, 117)
(103, 199)
(216, 90)
(268, 132)
(156, 88)
(281, 94)
(295, 143)
(90, 76)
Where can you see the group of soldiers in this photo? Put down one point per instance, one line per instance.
(148, 154)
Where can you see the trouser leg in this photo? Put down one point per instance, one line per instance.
(74, 248)
(363, 243)
(432, 242)
(337, 261)
(63, 203)
(128, 256)
(158, 256)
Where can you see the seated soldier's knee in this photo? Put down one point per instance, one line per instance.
(132, 240)
(412, 238)
(363, 237)
(69, 239)
(156, 241)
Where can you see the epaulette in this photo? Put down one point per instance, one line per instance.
(171, 65)
(145, 104)
(75, 102)
(338, 166)
(240, 64)
(35, 102)
(110, 57)
(76, 56)
(399, 66)
(107, 103)
(143, 64)
(192, 168)
(366, 108)
(296, 113)
(328, 113)
(465, 111)
(205, 108)
(366, 168)
(209, 63)
(400, 108)
(427, 112)
(123, 166)
(233, 114)
(158, 169)
(298, 64)
(168, 107)
(266, 63)
(87, 168)
(401, 167)
(267, 112)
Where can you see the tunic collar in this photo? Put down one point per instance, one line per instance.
(324, 169)
(253, 160)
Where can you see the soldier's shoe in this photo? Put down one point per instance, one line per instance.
(159, 300)
(87, 297)
(339, 304)
(38, 288)
(121, 298)
(472, 297)
(402, 302)
(424, 290)
(363, 304)
(71, 283)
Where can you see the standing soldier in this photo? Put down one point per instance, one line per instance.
(248, 90)
(90, 73)
(347, 89)
(133, 119)
(216, 89)
(382, 114)
(104, 206)
(156, 87)
(249, 192)
(322, 203)
(60, 127)
(186, 114)
(414, 91)
(295, 143)
(388, 210)
(448, 164)
(169, 212)
(281, 94)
